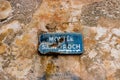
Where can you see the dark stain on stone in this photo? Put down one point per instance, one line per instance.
(60, 76)
(2, 20)
(51, 27)
(55, 57)
(22, 10)
(92, 12)
(42, 78)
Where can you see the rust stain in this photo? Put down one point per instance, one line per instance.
(50, 68)
(89, 43)
(62, 27)
(24, 40)
(118, 41)
(4, 34)
(110, 77)
(2, 48)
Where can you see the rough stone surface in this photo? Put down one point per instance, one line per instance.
(5, 9)
(97, 20)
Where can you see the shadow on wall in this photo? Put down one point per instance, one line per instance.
(60, 76)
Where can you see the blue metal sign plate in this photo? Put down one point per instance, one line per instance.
(61, 43)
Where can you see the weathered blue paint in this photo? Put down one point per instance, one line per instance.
(62, 43)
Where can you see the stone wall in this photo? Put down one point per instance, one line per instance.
(22, 21)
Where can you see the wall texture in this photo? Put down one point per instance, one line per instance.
(21, 22)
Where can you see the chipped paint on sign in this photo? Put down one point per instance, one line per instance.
(63, 43)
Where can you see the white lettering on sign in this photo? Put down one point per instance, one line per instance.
(69, 38)
(63, 43)
(71, 47)
(51, 39)
(54, 38)
(58, 38)
(64, 47)
(46, 46)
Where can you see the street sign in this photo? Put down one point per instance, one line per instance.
(61, 43)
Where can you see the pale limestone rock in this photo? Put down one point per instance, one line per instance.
(116, 31)
(5, 9)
